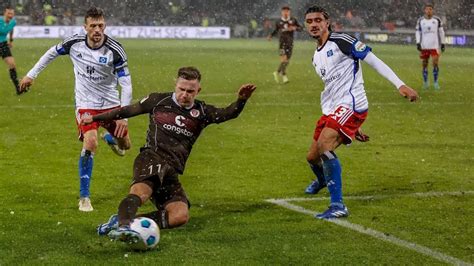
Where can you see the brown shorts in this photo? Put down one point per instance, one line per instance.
(150, 168)
(5, 50)
(286, 49)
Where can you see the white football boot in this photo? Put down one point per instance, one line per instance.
(85, 205)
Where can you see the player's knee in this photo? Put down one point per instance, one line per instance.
(324, 145)
(182, 218)
(91, 143)
(178, 218)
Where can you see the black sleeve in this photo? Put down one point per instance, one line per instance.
(344, 44)
(144, 106)
(275, 31)
(64, 47)
(440, 24)
(216, 115)
(298, 26)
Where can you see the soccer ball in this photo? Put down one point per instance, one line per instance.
(149, 232)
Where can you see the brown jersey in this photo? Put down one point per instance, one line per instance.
(174, 129)
(282, 27)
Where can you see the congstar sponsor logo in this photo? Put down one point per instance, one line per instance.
(178, 130)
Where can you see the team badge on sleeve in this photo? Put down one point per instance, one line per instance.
(360, 46)
(360, 50)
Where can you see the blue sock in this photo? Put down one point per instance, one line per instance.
(85, 172)
(425, 74)
(109, 139)
(318, 172)
(435, 73)
(332, 173)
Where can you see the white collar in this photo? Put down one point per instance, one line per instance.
(176, 102)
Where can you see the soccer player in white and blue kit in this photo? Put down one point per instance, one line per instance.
(100, 63)
(429, 41)
(343, 101)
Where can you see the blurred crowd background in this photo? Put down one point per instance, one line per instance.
(248, 18)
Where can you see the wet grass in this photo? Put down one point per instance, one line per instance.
(235, 166)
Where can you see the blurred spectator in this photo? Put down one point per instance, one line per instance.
(345, 14)
(50, 19)
(253, 28)
(205, 21)
(19, 9)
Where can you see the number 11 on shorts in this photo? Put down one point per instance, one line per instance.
(151, 168)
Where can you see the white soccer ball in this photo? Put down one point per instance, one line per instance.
(149, 232)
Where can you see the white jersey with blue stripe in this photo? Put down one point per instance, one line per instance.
(337, 62)
(429, 33)
(96, 71)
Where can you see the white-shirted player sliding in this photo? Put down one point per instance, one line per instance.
(99, 63)
(429, 41)
(343, 101)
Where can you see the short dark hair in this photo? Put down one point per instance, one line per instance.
(7, 7)
(317, 9)
(429, 5)
(94, 12)
(189, 73)
(285, 8)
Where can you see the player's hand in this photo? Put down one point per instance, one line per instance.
(86, 119)
(409, 93)
(246, 91)
(418, 47)
(25, 83)
(121, 128)
(361, 136)
(443, 47)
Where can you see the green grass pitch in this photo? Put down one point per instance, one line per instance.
(234, 167)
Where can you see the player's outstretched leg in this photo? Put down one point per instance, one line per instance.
(174, 215)
(318, 183)
(85, 174)
(333, 174)
(113, 143)
(126, 213)
(161, 217)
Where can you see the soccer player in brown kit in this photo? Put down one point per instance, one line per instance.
(286, 27)
(176, 121)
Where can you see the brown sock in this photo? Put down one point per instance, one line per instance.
(128, 209)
